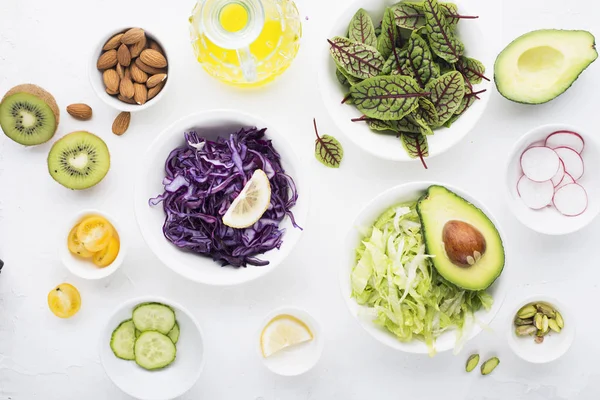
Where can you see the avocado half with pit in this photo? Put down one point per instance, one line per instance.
(541, 65)
(466, 247)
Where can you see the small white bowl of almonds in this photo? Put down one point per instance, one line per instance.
(129, 69)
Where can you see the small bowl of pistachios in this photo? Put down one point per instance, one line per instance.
(541, 329)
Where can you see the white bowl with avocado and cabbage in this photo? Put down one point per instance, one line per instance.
(443, 246)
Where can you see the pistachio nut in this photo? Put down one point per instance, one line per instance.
(538, 320)
(559, 320)
(552, 324)
(539, 339)
(545, 323)
(546, 310)
(525, 330)
(527, 312)
(520, 321)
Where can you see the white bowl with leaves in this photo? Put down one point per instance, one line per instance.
(390, 100)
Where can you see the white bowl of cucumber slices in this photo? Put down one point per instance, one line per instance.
(152, 348)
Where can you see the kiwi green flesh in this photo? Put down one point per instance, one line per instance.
(27, 119)
(79, 160)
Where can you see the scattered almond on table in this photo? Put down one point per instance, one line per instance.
(134, 67)
(80, 111)
(121, 123)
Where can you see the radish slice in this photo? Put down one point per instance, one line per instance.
(535, 195)
(540, 163)
(571, 200)
(557, 179)
(572, 161)
(567, 180)
(568, 139)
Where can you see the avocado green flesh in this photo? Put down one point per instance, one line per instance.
(435, 209)
(27, 119)
(541, 65)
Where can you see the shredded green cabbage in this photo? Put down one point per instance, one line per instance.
(394, 276)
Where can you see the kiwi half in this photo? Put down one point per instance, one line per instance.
(79, 160)
(29, 115)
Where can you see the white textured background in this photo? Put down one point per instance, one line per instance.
(43, 357)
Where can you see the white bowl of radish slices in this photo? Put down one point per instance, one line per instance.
(553, 178)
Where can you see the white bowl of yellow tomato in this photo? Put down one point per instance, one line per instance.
(92, 245)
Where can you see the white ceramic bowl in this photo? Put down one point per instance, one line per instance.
(149, 184)
(85, 268)
(554, 345)
(365, 219)
(97, 83)
(548, 220)
(299, 359)
(168, 383)
(475, 37)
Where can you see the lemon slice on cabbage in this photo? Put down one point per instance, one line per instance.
(281, 332)
(252, 202)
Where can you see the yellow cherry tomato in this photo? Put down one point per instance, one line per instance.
(64, 300)
(75, 245)
(106, 256)
(95, 233)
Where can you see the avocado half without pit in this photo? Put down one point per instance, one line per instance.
(541, 65)
(466, 247)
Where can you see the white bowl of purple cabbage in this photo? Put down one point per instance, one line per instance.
(190, 176)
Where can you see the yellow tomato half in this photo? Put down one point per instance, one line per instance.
(64, 300)
(95, 233)
(106, 256)
(75, 245)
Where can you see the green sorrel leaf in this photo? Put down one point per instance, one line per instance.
(379, 125)
(468, 100)
(415, 145)
(328, 150)
(387, 97)
(419, 63)
(341, 77)
(361, 29)
(395, 63)
(409, 15)
(418, 120)
(357, 59)
(386, 42)
(351, 80)
(473, 70)
(442, 39)
(447, 93)
(428, 111)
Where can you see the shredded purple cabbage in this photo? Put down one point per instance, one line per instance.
(202, 180)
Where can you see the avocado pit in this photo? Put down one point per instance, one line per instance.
(464, 244)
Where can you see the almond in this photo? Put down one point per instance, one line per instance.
(153, 58)
(133, 35)
(126, 88)
(80, 111)
(121, 123)
(155, 90)
(125, 99)
(136, 48)
(155, 46)
(128, 73)
(148, 69)
(123, 56)
(155, 80)
(111, 80)
(137, 74)
(112, 92)
(113, 42)
(107, 60)
(120, 70)
(141, 93)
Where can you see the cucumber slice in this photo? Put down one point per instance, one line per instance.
(154, 317)
(153, 350)
(123, 339)
(174, 333)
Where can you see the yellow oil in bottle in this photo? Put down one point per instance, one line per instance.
(272, 52)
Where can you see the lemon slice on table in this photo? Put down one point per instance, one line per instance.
(251, 203)
(281, 332)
